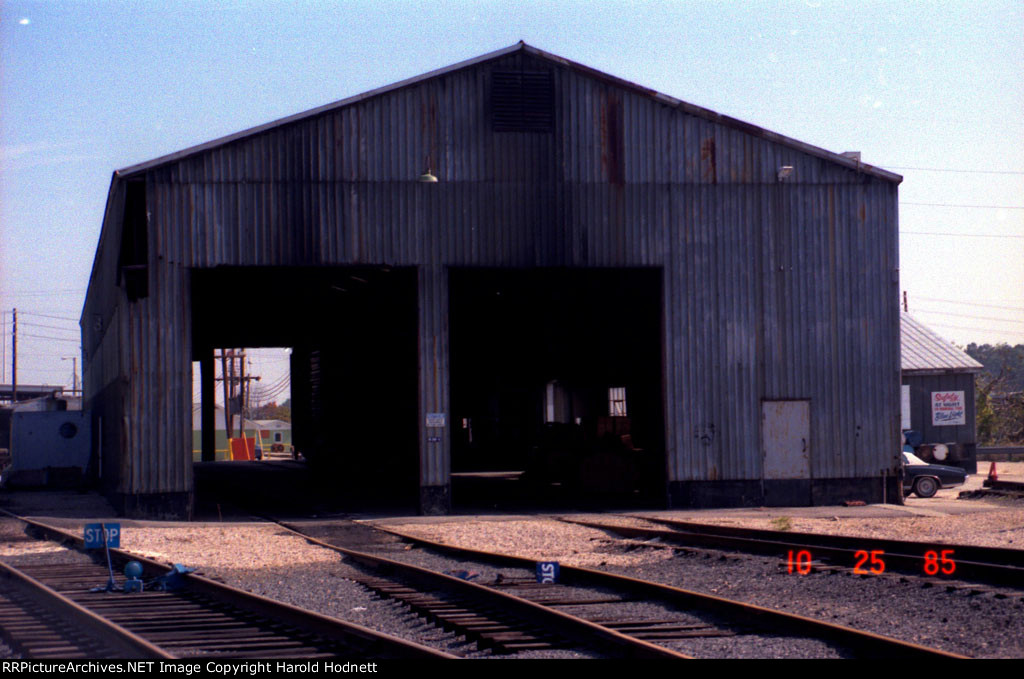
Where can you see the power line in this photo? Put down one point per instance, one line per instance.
(264, 393)
(267, 394)
(42, 293)
(980, 330)
(281, 380)
(960, 235)
(43, 370)
(950, 169)
(980, 318)
(59, 318)
(51, 327)
(266, 398)
(58, 339)
(995, 207)
(953, 301)
(52, 371)
(285, 379)
(33, 291)
(32, 354)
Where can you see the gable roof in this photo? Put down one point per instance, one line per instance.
(665, 99)
(923, 351)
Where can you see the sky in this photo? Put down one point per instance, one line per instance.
(931, 90)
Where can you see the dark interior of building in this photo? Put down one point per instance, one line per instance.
(556, 379)
(353, 375)
(556, 385)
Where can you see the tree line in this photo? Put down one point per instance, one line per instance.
(999, 393)
(272, 411)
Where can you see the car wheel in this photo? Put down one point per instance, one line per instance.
(925, 486)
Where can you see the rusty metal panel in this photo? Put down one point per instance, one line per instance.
(786, 437)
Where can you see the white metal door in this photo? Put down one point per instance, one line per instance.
(786, 439)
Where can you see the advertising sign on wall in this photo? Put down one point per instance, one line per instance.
(948, 408)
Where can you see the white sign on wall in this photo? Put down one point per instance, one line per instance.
(905, 406)
(948, 408)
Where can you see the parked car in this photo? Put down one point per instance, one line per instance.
(924, 480)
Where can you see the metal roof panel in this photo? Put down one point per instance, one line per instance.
(922, 349)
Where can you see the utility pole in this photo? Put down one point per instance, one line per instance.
(231, 372)
(227, 399)
(14, 359)
(905, 308)
(241, 394)
(228, 377)
(74, 372)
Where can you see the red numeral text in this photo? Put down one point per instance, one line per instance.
(933, 563)
(803, 562)
(875, 556)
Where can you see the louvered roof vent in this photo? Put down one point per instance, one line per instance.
(522, 101)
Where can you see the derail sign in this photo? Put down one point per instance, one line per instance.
(948, 408)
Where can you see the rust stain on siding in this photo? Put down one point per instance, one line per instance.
(428, 128)
(710, 163)
(612, 141)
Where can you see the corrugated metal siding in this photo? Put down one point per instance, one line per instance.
(921, 388)
(771, 290)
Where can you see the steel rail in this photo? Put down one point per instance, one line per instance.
(868, 643)
(582, 631)
(1010, 486)
(122, 642)
(991, 565)
(994, 555)
(363, 640)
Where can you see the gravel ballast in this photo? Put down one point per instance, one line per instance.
(263, 558)
(746, 645)
(980, 625)
(259, 558)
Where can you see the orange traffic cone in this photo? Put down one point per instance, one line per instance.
(993, 475)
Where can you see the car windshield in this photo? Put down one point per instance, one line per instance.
(910, 458)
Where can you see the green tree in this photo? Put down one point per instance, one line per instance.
(272, 411)
(985, 415)
(1000, 360)
(999, 393)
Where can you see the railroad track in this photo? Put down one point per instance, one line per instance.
(205, 619)
(39, 623)
(805, 552)
(494, 619)
(692, 615)
(1007, 488)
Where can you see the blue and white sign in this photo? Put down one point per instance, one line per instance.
(547, 572)
(94, 535)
